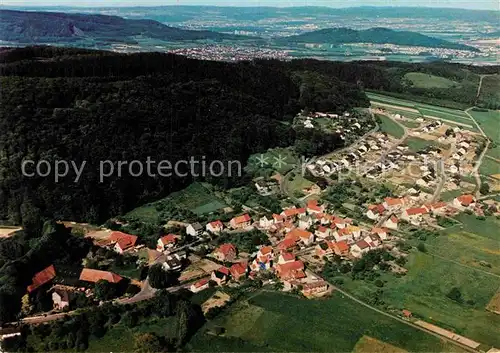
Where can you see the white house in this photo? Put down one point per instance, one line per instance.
(322, 232)
(391, 223)
(194, 229)
(305, 222)
(200, 285)
(359, 248)
(215, 227)
(266, 223)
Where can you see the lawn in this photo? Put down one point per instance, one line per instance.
(390, 126)
(410, 124)
(421, 80)
(487, 228)
(280, 322)
(196, 198)
(297, 183)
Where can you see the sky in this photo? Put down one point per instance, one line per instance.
(467, 4)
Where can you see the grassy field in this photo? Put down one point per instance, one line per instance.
(450, 195)
(417, 144)
(410, 124)
(390, 100)
(489, 167)
(297, 183)
(370, 345)
(279, 322)
(422, 80)
(196, 198)
(490, 94)
(490, 123)
(446, 115)
(390, 126)
(120, 338)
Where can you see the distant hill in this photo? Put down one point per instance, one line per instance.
(43, 27)
(372, 35)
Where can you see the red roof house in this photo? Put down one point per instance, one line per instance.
(238, 270)
(90, 275)
(225, 252)
(123, 241)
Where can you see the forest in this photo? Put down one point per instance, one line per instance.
(80, 105)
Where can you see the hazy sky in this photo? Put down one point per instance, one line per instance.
(468, 4)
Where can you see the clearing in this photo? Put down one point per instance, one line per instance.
(421, 80)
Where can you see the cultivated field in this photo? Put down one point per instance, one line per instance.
(390, 126)
(335, 324)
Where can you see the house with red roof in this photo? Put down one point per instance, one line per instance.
(167, 242)
(382, 233)
(238, 270)
(214, 227)
(414, 215)
(313, 207)
(392, 222)
(342, 234)
(266, 251)
(287, 244)
(325, 248)
(277, 218)
(359, 248)
(373, 240)
(225, 252)
(341, 248)
(464, 201)
(340, 222)
(437, 207)
(300, 235)
(289, 214)
(261, 263)
(200, 285)
(375, 211)
(322, 232)
(122, 241)
(291, 270)
(220, 276)
(42, 277)
(391, 203)
(240, 222)
(90, 275)
(286, 257)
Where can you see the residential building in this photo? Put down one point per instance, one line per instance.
(305, 222)
(220, 276)
(291, 270)
(287, 244)
(313, 207)
(286, 257)
(122, 241)
(215, 227)
(391, 203)
(375, 211)
(414, 215)
(325, 248)
(392, 222)
(265, 251)
(382, 233)
(225, 252)
(314, 288)
(238, 270)
(322, 232)
(359, 248)
(266, 223)
(261, 263)
(464, 201)
(172, 263)
(299, 234)
(194, 229)
(341, 248)
(167, 242)
(239, 222)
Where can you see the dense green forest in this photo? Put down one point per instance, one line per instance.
(80, 106)
(372, 35)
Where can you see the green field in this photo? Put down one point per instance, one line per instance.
(390, 126)
(120, 338)
(490, 123)
(489, 167)
(490, 92)
(446, 116)
(417, 144)
(196, 198)
(421, 80)
(410, 124)
(278, 322)
(390, 100)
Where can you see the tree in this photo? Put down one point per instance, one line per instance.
(485, 188)
(421, 247)
(26, 306)
(182, 323)
(158, 277)
(104, 290)
(130, 318)
(147, 343)
(455, 295)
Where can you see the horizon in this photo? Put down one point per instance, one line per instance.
(488, 5)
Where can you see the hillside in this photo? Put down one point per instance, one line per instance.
(44, 27)
(372, 35)
(81, 105)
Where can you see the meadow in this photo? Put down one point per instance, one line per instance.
(196, 198)
(489, 167)
(490, 123)
(281, 322)
(390, 126)
(417, 144)
(421, 80)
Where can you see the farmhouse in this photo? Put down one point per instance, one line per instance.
(90, 275)
(225, 252)
(61, 296)
(122, 241)
(239, 222)
(214, 227)
(42, 277)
